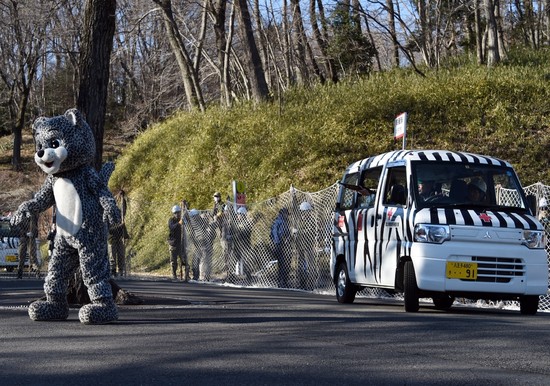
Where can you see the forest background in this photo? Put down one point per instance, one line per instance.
(273, 93)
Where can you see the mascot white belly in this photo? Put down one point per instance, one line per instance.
(69, 207)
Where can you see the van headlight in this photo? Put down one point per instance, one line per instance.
(533, 239)
(427, 233)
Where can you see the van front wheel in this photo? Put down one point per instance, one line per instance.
(529, 304)
(410, 288)
(345, 290)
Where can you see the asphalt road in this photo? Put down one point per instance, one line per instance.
(204, 334)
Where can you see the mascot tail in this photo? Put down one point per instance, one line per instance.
(106, 170)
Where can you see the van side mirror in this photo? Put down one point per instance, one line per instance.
(532, 202)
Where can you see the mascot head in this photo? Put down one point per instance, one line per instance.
(63, 143)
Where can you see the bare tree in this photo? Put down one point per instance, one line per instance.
(21, 52)
(493, 54)
(189, 76)
(218, 10)
(298, 39)
(258, 84)
(321, 39)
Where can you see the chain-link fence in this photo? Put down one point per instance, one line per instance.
(282, 242)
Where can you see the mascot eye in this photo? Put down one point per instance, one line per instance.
(54, 143)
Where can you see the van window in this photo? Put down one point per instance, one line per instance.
(395, 191)
(370, 180)
(447, 183)
(347, 197)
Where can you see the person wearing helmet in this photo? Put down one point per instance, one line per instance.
(305, 238)
(477, 190)
(544, 215)
(175, 240)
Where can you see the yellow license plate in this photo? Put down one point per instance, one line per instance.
(11, 258)
(461, 270)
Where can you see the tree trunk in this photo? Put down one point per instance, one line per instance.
(95, 57)
(298, 43)
(493, 55)
(189, 77)
(262, 41)
(480, 52)
(218, 9)
(252, 59)
(393, 32)
(500, 32)
(330, 72)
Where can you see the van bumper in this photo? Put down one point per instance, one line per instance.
(509, 269)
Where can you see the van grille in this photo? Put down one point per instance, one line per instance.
(498, 269)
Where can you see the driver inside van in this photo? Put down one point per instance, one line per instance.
(477, 190)
(425, 188)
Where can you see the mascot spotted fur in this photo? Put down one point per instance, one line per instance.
(65, 150)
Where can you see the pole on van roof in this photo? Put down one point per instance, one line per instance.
(400, 128)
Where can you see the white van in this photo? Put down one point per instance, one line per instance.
(439, 224)
(9, 247)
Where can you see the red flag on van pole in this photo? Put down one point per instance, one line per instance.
(400, 128)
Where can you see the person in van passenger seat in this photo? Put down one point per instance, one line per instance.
(477, 190)
(425, 188)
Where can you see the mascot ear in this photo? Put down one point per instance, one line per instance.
(74, 116)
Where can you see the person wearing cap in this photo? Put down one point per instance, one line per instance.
(477, 190)
(218, 205)
(175, 240)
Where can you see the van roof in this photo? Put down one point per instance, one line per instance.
(427, 155)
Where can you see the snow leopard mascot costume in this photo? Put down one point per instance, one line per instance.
(65, 150)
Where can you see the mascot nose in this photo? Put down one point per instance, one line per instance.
(40, 153)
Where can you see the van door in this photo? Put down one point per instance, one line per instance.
(389, 225)
(345, 234)
(366, 218)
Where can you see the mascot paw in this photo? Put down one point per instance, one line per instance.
(41, 310)
(100, 312)
(19, 217)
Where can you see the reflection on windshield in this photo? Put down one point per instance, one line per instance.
(457, 184)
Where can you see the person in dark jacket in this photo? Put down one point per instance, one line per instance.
(175, 240)
(27, 241)
(280, 235)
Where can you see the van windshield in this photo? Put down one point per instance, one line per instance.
(466, 185)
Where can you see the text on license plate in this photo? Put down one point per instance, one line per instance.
(11, 258)
(461, 270)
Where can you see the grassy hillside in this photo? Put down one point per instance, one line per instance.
(308, 137)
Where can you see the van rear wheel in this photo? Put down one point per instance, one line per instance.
(410, 288)
(529, 304)
(345, 290)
